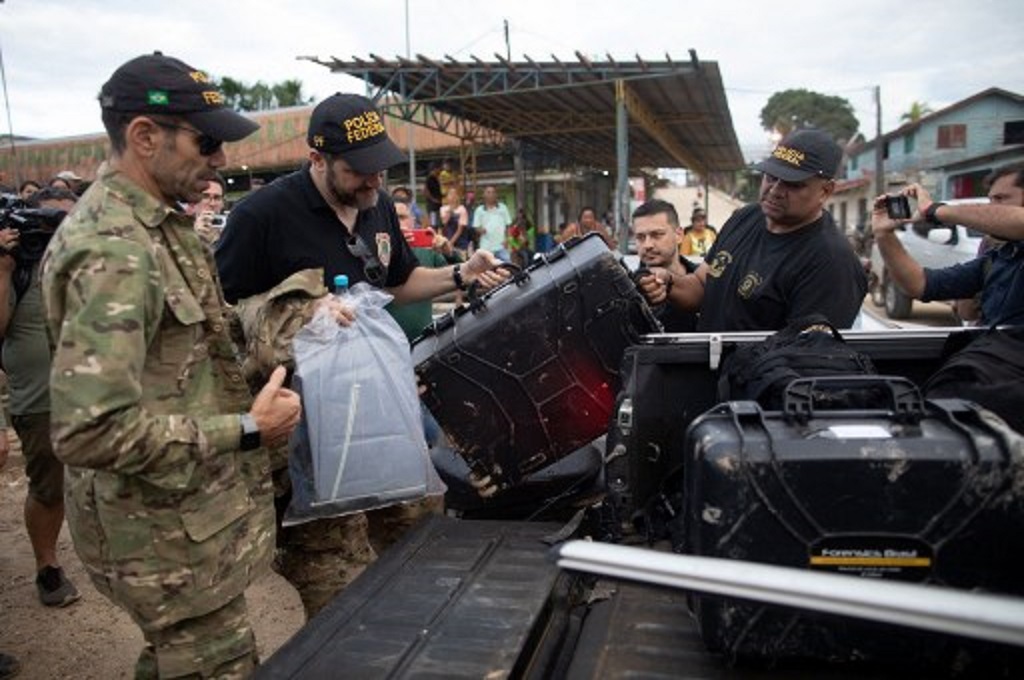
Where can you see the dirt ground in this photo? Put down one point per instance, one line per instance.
(92, 638)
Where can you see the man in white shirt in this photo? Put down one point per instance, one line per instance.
(491, 220)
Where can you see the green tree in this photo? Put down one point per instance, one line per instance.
(259, 96)
(791, 109)
(289, 93)
(234, 92)
(916, 112)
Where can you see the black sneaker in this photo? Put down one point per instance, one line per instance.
(55, 590)
(9, 666)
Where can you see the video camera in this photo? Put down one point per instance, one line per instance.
(35, 226)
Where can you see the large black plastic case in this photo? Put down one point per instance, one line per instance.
(670, 379)
(916, 491)
(529, 373)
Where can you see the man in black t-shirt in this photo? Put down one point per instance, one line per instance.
(277, 258)
(657, 232)
(780, 259)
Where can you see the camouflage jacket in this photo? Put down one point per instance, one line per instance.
(271, 320)
(269, 323)
(169, 517)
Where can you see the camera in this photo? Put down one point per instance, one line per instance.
(35, 226)
(218, 221)
(898, 207)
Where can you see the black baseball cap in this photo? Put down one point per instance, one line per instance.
(808, 152)
(158, 84)
(350, 126)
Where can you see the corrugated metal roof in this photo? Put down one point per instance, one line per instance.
(678, 112)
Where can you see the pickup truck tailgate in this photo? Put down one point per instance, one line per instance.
(454, 599)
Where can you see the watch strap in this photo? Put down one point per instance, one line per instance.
(250, 437)
(929, 213)
(460, 283)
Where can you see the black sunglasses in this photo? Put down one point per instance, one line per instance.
(373, 270)
(207, 145)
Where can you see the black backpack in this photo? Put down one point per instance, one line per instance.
(988, 371)
(808, 347)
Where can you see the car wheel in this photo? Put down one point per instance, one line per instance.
(897, 304)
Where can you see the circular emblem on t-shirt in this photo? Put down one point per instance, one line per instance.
(749, 284)
(718, 265)
(384, 248)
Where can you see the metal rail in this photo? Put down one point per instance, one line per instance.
(997, 618)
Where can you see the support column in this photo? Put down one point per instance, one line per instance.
(621, 203)
(520, 172)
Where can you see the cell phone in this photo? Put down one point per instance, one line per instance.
(420, 238)
(898, 207)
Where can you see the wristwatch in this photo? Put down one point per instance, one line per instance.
(460, 283)
(929, 213)
(250, 433)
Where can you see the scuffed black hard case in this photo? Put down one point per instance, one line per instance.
(529, 373)
(670, 379)
(916, 491)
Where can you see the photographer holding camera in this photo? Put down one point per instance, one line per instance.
(209, 212)
(996, 274)
(26, 231)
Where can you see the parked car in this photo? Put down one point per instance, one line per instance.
(932, 247)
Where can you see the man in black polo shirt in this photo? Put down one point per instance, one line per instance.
(277, 258)
(780, 259)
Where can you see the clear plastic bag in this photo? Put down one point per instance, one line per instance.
(360, 444)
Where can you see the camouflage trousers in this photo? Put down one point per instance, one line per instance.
(216, 645)
(320, 558)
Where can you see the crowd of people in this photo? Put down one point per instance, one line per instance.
(158, 432)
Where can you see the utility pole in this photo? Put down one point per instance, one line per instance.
(409, 129)
(879, 160)
(10, 125)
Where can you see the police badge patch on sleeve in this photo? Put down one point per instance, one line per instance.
(384, 248)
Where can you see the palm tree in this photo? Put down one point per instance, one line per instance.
(289, 93)
(260, 96)
(917, 111)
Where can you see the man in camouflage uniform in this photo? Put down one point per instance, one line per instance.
(169, 498)
(280, 249)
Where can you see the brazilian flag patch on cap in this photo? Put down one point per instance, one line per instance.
(157, 98)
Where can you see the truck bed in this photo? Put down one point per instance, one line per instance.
(481, 599)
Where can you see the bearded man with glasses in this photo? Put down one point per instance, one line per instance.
(168, 492)
(278, 256)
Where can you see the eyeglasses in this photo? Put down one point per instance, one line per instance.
(213, 197)
(207, 145)
(373, 270)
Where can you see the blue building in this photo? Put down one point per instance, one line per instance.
(954, 147)
(949, 152)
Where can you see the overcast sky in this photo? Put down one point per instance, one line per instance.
(57, 53)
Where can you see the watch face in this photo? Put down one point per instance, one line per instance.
(250, 434)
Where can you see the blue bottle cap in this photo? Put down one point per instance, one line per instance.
(340, 282)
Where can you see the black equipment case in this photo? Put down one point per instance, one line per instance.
(916, 491)
(553, 493)
(528, 373)
(670, 379)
